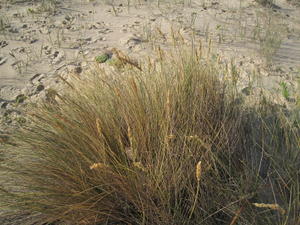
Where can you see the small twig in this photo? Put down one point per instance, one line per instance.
(237, 215)
(125, 59)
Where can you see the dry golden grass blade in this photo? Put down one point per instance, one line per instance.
(125, 59)
(236, 216)
(134, 86)
(66, 82)
(270, 206)
(198, 171)
(98, 166)
(159, 31)
(139, 165)
(161, 53)
(98, 126)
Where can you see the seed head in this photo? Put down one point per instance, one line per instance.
(198, 171)
(270, 206)
(97, 166)
(98, 125)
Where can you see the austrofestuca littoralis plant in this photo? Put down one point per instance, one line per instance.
(122, 147)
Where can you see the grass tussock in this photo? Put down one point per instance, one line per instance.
(165, 143)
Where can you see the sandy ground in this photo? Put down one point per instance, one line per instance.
(36, 45)
(38, 42)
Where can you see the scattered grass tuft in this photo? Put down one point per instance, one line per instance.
(268, 3)
(294, 2)
(4, 24)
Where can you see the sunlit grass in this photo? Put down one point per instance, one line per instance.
(163, 142)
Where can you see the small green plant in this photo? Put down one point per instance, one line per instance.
(31, 11)
(284, 90)
(102, 58)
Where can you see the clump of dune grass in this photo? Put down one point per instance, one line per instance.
(165, 142)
